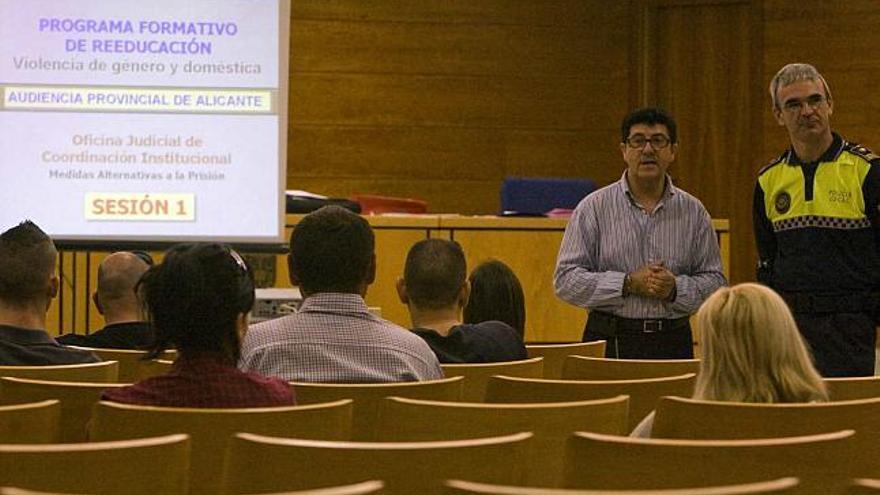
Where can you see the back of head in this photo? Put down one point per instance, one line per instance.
(117, 276)
(793, 73)
(496, 294)
(434, 273)
(27, 265)
(331, 250)
(752, 350)
(194, 298)
(649, 116)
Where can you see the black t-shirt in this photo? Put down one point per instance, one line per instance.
(486, 342)
(26, 347)
(132, 335)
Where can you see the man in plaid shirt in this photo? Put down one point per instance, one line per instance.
(334, 338)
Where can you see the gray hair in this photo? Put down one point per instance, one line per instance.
(792, 73)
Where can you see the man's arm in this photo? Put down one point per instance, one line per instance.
(706, 274)
(764, 237)
(577, 279)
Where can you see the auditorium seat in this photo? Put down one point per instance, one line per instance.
(678, 417)
(411, 420)
(210, 429)
(407, 468)
(133, 467)
(477, 374)
(853, 387)
(600, 368)
(105, 371)
(780, 486)
(132, 366)
(34, 422)
(554, 354)
(643, 393)
(368, 396)
(77, 400)
(599, 461)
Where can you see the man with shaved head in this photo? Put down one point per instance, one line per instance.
(28, 283)
(116, 300)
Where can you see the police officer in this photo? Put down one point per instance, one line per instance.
(817, 226)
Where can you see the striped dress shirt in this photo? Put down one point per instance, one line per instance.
(335, 339)
(610, 235)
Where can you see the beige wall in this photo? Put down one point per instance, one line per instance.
(441, 100)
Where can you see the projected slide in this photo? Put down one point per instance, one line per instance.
(149, 121)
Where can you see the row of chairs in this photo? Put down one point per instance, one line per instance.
(824, 463)
(407, 420)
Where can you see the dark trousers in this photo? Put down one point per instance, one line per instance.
(673, 342)
(843, 344)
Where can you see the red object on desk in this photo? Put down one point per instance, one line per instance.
(372, 204)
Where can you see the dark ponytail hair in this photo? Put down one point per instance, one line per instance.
(194, 297)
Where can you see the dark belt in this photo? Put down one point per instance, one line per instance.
(859, 302)
(611, 324)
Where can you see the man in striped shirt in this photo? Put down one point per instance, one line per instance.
(640, 253)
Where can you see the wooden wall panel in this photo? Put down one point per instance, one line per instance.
(441, 100)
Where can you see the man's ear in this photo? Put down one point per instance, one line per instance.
(54, 285)
(97, 301)
(777, 114)
(401, 291)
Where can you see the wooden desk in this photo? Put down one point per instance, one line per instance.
(528, 245)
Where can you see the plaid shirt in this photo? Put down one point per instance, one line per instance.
(204, 380)
(335, 339)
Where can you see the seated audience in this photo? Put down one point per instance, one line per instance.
(198, 300)
(496, 294)
(435, 290)
(752, 352)
(28, 283)
(334, 338)
(116, 300)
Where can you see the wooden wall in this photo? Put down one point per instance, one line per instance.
(441, 100)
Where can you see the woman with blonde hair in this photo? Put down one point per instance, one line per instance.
(752, 352)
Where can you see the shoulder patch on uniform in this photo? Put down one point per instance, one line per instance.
(861, 151)
(779, 159)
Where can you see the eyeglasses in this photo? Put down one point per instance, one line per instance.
(796, 106)
(639, 141)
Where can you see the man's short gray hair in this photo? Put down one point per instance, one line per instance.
(792, 73)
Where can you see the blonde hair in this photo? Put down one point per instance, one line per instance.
(752, 350)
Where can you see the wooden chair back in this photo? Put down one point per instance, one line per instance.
(854, 387)
(600, 368)
(134, 467)
(780, 486)
(104, 372)
(412, 420)
(554, 354)
(594, 460)
(365, 488)
(132, 366)
(368, 396)
(477, 374)
(20, 491)
(643, 394)
(864, 486)
(77, 400)
(406, 468)
(35, 422)
(211, 429)
(678, 417)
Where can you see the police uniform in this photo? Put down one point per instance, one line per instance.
(817, 228)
